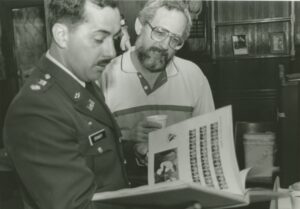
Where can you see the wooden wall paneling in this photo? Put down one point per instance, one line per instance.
(252, 109)
(2, 68)
(29, 38)
(292, 31)
(252, 41)
(252, 105)
(213, 29)
(289, 133)
(48, 30)
(224, 41)
(297, 22)
(10, 85)
(254, 19)
(255, 105)
(258, 38)
(227, 11)
(251, 86)
(7, 45)
(249, 73)
(262, 45)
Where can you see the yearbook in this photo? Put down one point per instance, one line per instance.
(192, 161)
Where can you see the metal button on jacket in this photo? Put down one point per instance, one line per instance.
(100, 150)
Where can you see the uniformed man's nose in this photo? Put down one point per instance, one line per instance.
(109, 49)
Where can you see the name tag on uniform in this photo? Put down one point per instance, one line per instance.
(97, 136)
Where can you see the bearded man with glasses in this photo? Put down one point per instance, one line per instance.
(149, 80)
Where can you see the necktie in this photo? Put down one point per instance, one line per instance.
(96, 92)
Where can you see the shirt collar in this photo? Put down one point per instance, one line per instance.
(52, 59)
(128, 67)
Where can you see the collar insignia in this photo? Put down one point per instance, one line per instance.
(35, 87)
(47, 76)
(77, 95)
(42, 82)
(91, 105)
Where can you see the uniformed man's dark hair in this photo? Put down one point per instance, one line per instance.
(71, 12)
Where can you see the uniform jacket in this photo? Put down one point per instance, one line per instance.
(63, 141)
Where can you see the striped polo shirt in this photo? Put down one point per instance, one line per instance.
(181, 91)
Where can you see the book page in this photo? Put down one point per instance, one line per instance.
(200, 150)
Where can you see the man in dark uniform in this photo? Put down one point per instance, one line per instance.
(59, 134)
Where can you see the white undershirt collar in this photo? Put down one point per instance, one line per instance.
(52, 59)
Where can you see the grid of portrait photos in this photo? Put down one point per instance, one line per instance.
(204, 156)
(193, 156)
(215, 149)
(202, 160)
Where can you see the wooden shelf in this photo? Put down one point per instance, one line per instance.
(253, 56)
(228, 25)
(255, 21)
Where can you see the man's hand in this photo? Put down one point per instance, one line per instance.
(141, 153)
(140, 135)
(141, 148)
(141, 131)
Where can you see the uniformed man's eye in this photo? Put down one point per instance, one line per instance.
(99, 41)
(99, 38)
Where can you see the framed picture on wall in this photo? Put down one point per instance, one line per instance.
(239, 43)
(277, 42)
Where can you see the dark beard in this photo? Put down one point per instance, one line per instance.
(144, 56)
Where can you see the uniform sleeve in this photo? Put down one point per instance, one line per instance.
(47, 159)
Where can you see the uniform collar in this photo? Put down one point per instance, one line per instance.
(128, 67)
(55, 61)
(82, 99)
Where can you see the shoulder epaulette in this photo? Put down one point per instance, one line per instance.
(41, 83)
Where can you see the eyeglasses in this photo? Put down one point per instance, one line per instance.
(160, 34)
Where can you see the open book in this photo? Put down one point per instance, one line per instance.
(191, 161)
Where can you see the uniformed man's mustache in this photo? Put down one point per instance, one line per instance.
(103, 62)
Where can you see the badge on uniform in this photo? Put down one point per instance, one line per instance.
(77, 96)
(42, 82)
(90, 105)
(97, 136)
(35, 87)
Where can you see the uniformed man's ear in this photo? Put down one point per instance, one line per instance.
(138, 26)
(60, 34)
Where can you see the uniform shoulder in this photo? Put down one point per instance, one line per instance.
(39, 82)
(36, 91)
(35, 98)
